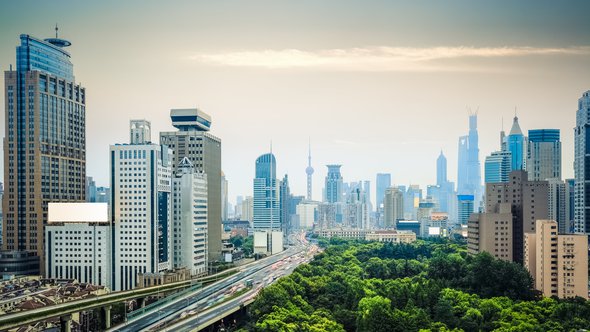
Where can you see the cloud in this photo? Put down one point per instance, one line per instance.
(377, 58)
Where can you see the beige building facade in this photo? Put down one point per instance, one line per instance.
(558, 263)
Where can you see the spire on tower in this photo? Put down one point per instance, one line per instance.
(56, 28)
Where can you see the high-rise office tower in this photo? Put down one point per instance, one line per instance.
(558, 263)
(224, 198)
(465, 207)
(193, 140)
(581, 165)
(356, 214)
(544, 154)
(189, 219)
(309, 172)
(44, 148)
(444, 191)
(393, 206)
(498, 166)
(515, 142)
(285, 204)
(441, 169)
(141, 182)
(333, 189)
(469, 167)
(266, 199)
(528, 201)
(248, 209)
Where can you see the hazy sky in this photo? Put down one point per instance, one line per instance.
(378, 86)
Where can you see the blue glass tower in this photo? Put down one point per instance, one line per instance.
(498, 166)
(515, 144)
(266, 200)
(544, 154)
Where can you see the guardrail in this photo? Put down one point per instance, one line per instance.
(163, 301)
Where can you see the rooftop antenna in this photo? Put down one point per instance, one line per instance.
(56, 28)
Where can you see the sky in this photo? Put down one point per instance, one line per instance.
(377, 86)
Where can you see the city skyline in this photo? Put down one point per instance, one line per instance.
(292, 74)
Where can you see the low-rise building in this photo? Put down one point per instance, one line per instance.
(77, 243)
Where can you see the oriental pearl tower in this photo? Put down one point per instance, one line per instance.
(309, 172)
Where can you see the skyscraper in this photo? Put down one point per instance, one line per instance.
(383, 182)
(544, 154)
(516, 145)
(333, 189)
(44, 147)
(285, 202)
(469, 167)
(189, 219)
(309, 172)
(441, 169)
(267, 211)
(193, 140)
(141, 182)
(582, 165)
(224, 198)
(498, 166)
(393, 206)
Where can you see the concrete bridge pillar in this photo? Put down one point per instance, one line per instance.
(106, 311)
(65, 323)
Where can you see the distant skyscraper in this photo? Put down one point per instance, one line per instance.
(516, 145)
(356, 214)
(544, 154)
(267, 210)
(285, 201)
(570, 191)
(412, 198)
(464, 208)
(90, 189)
(393, 207)
(441, 169)
(309, 172)
(469, 167)
(582, 165)
(498, 166)
(44, 148)
(333, 189)
(193, 140)
(383, 182)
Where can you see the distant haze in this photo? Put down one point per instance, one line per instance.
(377, 86)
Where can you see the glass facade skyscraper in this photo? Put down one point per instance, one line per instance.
(383, 182)
(267, 210)
(333, 189)
(44, 146)
(516, 145)
(544, 154)
(498, 166)
(582, 165)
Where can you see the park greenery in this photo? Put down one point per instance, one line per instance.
(423, 286)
